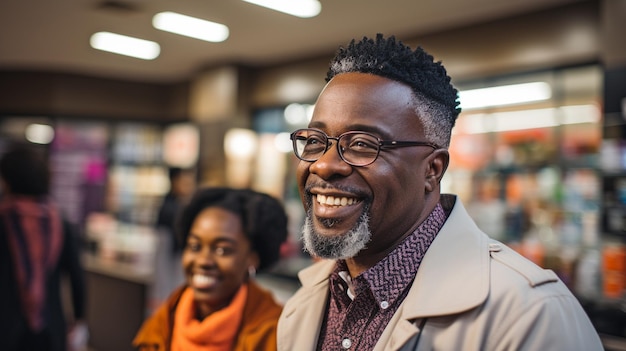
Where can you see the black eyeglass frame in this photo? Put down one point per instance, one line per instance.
(382, 145)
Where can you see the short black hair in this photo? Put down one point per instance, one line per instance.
(173, 172)
(263, 218)
(25, 170)
(437, 100)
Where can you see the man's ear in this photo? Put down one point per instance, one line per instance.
(437, 164)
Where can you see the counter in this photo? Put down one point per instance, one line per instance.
(117, 302)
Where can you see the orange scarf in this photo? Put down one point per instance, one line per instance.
(217, 332)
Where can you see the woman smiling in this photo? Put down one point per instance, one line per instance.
(228, 234)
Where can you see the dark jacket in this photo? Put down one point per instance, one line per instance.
(166, 218)
(14, 331)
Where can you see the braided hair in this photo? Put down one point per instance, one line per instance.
(263, 218)
(435, 98)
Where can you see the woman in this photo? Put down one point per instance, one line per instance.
(37, 248)
(228, 235)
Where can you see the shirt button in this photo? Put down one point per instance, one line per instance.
(346, 343)
(384, 305)
(495, 247)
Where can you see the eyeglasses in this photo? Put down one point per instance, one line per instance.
(355, 148)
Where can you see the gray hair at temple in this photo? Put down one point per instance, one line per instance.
(436, 100)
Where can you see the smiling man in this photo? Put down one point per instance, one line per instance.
(406, 268)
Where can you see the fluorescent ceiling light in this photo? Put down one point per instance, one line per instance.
(190, 26)
(298, 8)
(505, 95)
(124, 45)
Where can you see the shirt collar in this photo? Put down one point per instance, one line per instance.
(393, 274)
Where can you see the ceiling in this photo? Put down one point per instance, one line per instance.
(53, 35)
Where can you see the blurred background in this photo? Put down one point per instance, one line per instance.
(538, 155)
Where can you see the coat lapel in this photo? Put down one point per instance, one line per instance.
(453, 277)
(454, 274)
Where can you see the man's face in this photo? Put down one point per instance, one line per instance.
(374, 206)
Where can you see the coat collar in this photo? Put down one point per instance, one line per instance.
(316, 274)
(454, 274)
(453, 277)
(303, 314)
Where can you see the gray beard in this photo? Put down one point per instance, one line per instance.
(336, 247)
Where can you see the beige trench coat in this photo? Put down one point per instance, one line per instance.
(475, 294)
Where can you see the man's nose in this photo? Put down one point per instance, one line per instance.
(330, 163)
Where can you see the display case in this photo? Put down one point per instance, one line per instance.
(137, 174)
(613, 163)
(79, 156)
(529, 173)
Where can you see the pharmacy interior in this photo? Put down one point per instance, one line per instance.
(542, 175)
(538, 155)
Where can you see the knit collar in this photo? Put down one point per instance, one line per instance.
(388, 278)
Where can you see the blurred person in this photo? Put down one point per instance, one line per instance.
(229, 234)
(405, 267)
(168, 269)
(37, 247)
(182, 185)
(487, 208)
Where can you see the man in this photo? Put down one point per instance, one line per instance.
(406, 267)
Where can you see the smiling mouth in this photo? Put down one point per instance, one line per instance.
(203, 282)
(335, 201)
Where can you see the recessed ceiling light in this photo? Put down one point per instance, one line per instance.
(125, 45)
(298, 8)
(190, 26)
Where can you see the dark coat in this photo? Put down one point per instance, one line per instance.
(14, 332)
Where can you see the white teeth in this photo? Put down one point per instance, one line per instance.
(335, 201)
(200, 280)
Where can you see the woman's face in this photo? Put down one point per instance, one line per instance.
(216, 258)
